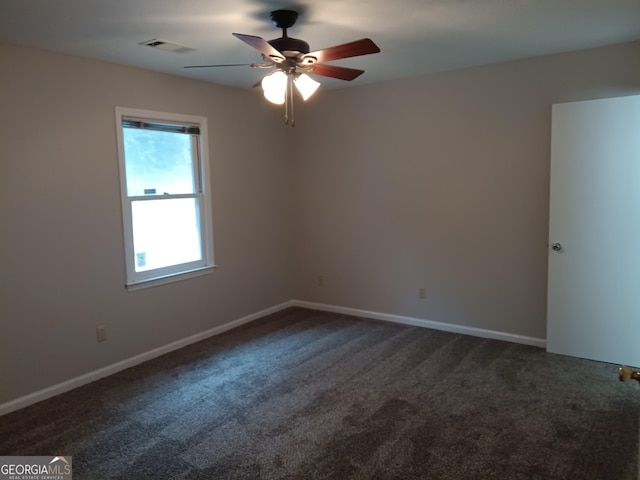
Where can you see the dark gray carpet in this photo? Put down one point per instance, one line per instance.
(311, 395)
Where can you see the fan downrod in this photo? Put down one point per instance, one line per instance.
(284, 19)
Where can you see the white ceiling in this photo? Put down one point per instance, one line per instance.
(416, 36)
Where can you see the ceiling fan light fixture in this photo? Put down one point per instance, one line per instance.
(274, 87)
(306, 85)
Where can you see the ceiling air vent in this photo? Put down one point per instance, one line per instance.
(167, 46)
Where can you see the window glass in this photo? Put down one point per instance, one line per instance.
(158, 163)
(165, 232)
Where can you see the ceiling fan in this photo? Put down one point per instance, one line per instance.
(292, 60)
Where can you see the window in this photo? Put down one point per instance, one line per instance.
(165, 196)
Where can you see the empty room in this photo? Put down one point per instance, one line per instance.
(320, 240)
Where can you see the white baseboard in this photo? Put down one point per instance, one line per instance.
(67, 385)
(418, 322)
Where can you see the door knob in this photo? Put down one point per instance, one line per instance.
(556, 247)
(626, 374)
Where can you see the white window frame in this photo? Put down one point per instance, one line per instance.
(136, 280)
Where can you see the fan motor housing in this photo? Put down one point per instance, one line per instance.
(287, 44)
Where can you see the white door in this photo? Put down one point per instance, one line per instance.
(593, 308)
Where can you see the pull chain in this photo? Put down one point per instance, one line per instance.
(288, 103)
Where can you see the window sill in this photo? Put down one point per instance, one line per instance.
(176, 277)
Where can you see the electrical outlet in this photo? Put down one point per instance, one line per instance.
(320, 280)
(101, 333)
(422, 293)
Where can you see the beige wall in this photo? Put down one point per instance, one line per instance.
(443, 183)
(438, 182)
(62, 266)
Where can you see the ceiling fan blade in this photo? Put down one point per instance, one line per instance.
(364, 46)
(341, 73)
(261, 45)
